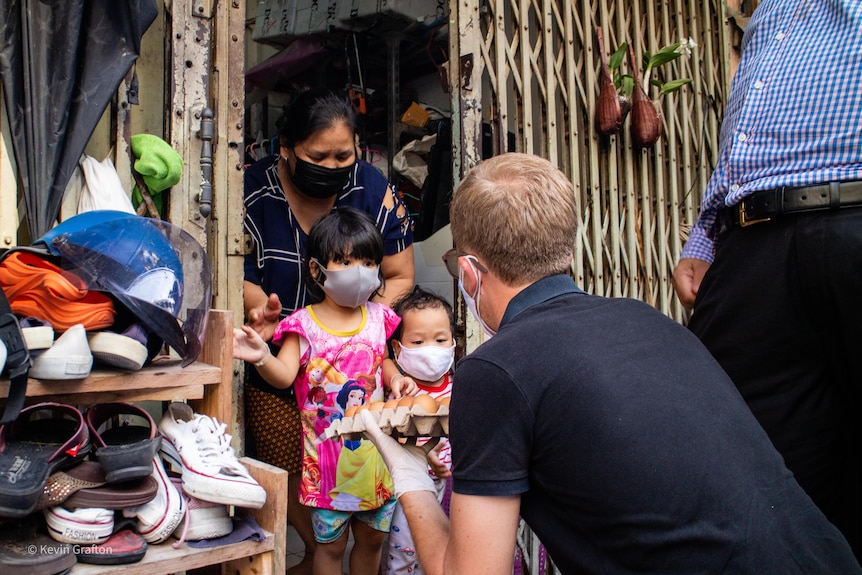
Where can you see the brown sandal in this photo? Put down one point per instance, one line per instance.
(63, 484)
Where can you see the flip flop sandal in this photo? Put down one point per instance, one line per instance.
(44, 438)
(116, 496)
(63, 484)
(123, 446)
(124, 546)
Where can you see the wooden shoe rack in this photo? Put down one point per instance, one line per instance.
(207, 386)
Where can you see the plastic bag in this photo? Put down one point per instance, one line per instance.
(102, 189)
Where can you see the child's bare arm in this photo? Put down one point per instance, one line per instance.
(278, 371)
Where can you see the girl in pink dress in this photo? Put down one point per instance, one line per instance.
(336, 347)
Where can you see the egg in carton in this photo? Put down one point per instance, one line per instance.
(428, 416)
(420, 416)
(352, 427)
(388, 415)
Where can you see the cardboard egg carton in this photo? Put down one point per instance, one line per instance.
(398, 422)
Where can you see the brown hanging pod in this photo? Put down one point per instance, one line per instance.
(609, 118)
(646, 122)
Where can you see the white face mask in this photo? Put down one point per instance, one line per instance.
(428, 362)
(350, 287)
(473, 305)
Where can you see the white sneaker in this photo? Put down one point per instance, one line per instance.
(85, 526)
(160, 517)
(211, 472)
(2, 356)
(68, 358)
(204, 519)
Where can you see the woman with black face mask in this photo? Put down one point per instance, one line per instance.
(316, 171)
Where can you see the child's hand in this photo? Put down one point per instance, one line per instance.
(401, 385)
(438, 468)
(248, 345)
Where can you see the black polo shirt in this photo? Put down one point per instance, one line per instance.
(631, 449)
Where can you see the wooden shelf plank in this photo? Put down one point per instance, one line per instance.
(175, 393)
(163, 558)
(162, 375)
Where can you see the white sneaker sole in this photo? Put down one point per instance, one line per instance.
(236, 491)
(117, 350)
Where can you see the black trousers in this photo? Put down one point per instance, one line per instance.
(781, 311)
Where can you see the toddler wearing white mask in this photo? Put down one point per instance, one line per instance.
(424, 349)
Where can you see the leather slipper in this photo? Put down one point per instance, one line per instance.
(124, 546)
(63, 484)
(115, 496)
(126, 440)
(44, 438)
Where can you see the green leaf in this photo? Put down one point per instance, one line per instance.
(663, 56)
(674, 85)
(628, 84)
(617, 57)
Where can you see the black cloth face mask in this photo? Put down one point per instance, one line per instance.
(319, 182)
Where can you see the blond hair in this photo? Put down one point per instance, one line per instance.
(517, 213)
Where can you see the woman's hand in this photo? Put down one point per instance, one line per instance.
(264, 318)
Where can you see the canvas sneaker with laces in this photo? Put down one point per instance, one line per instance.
(198, 445)
(84, 526)
(160, 517)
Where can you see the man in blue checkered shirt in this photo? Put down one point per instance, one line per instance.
(773, 267)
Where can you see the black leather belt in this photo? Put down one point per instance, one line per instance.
(767, 205)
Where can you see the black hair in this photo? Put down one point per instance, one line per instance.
(311, 112)
(420, 299)
(342, 233)
(344, 392)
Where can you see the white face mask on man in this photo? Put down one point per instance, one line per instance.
(427, 362)
(473, 304)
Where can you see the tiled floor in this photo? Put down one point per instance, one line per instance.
(296, 549)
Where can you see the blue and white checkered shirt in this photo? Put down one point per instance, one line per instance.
(794, 117)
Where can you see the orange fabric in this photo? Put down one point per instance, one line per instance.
(37, 288)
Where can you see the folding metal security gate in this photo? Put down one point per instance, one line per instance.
(531, 68)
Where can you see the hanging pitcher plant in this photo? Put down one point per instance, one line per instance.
(627, 92)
